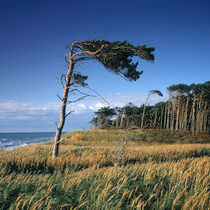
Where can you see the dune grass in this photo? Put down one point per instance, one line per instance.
(158, 170)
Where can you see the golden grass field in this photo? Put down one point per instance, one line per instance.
(154, 170)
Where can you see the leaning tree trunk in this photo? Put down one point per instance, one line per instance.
(142, 119)
(63, 107)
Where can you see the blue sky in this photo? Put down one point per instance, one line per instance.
(32, 45)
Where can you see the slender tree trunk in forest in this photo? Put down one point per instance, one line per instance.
(186, 113)
(154, 123)
(202, 117)
(181, 116)
(208, 117)
(205, 118)
(189, 122)
(198, 114)
(172, 115)
(122, 118)
(165, 115)
(161, 118)
(193, 115)
(168, 114)
(177, 114)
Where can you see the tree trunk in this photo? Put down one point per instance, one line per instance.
(177, 113)
(172, 115)
(161, 118)
(142, 119)
(122, 118)
(208, 118)
(165, 114)
(168, 114)
(154, 123)
(63, 108)
(186, 113)
(193, 115)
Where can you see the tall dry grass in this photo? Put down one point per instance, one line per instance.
(152, 175)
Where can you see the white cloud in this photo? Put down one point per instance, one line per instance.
(12, 110)
(91, 108)
(99, 105)
(82, 106)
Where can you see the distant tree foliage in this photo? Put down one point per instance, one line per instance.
(188, 108)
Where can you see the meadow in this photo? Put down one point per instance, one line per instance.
(109, 169)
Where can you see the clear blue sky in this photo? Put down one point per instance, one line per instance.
(32, 44)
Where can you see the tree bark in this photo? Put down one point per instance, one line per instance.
(178, 114)
(154, 123)
(63, 107)
(186, 113)
(165, 115)
(208, 117)
(193, 115)
(168, 114)
(142, 119)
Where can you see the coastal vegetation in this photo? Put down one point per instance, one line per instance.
(187, 109)
(156, 169)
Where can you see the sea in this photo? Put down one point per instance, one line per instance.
(9, 141)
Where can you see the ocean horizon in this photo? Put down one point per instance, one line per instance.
(9, 141)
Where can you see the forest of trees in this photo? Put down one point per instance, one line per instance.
(188, 109)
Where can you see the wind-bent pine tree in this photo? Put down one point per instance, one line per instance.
(116, 57)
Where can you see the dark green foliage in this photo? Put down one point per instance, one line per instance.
(104, 116)
(191, 89)
(117, 56)
(79, 79)
(180, 88)
(157, 92)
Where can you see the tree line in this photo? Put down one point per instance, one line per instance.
(187, 109)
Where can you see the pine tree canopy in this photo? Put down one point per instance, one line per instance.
(115, 56)
(157, 92)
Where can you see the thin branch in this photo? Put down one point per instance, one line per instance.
(59, 97)
(79, 99)
(66, 58)
(100, 96)
(68, 114)
(60, 141)
(61, 80)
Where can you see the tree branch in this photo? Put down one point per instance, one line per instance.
(100, 96)
(88, 52)
(68, 114)
(59, 97)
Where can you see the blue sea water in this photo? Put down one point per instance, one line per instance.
(10, 141)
